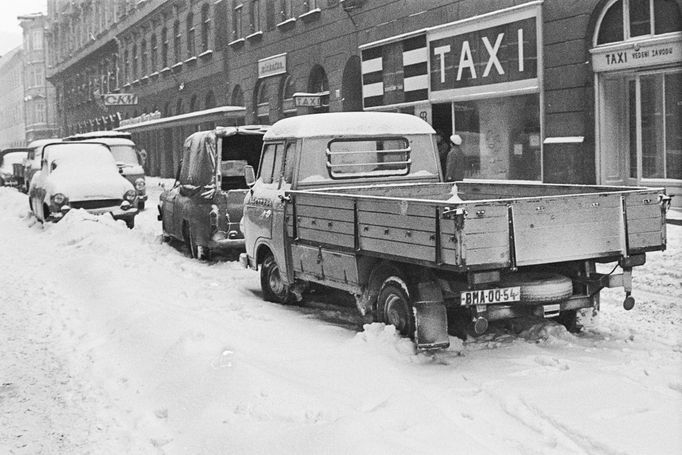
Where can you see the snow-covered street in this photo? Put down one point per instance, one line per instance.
(114, 342)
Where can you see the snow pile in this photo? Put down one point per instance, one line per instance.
(114, 342)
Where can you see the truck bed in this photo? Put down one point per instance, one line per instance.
(490, 225)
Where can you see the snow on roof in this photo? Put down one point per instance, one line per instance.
(348, 124)
(99, 135)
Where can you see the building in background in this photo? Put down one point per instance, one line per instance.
(39, 94)
(552, 91)
(12, 126)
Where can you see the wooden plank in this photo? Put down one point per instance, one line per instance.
(645, 240)
(406, 250)
(486, 240)
(326, 237)
(644, 225)
(340, 267)
(305, 259)
(399, 235)
(396, 206)
(327, 213)
(486, 256)
(405, 221)
(638, 212)
(332, 226)
(324, 200)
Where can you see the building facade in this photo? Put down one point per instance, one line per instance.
(39, 94)
(12, 126)
(556, 91)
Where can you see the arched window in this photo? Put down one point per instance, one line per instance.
(288, 90)
(318, 84)
(237, 98)
(625, 19)
(210, 100)
(205, 28)
(179, 107)
(262, 102)
(193, 105)
(191, 47)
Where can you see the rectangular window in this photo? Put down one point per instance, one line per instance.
(353, 158)
(271, 164)
(153, 52)
(254, 16)
(191, 46)
(284, 10)
(37, 40)
(500, 137)
(177, 41)
(205, 28)
(673, 125)
(164, 48)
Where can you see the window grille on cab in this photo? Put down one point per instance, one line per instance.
(368, 157)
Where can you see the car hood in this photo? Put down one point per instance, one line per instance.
(92, 184)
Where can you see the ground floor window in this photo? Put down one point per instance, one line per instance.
(501, 136)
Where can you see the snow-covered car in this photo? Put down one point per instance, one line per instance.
(8, 158)
(31, 163)
(75, 175)
(129, 158)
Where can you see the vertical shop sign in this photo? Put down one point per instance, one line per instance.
(395, 72)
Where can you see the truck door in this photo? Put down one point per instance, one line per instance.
(265, 208)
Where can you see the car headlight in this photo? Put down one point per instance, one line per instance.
(59, 199)
(130, 195)
(140, 184)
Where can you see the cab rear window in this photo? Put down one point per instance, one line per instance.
(373, 157)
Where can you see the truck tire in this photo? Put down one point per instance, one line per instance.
(274, 289)
(394, 306)
(540, 288)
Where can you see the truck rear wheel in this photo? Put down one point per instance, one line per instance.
(394, 306)
(274, 288)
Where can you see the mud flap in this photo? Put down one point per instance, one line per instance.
(431, 325)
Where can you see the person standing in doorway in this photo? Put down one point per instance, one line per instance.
(455, 164)
(443, 148)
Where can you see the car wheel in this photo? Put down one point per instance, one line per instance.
(394, 306)
(274, 288)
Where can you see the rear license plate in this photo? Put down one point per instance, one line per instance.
(489, 296)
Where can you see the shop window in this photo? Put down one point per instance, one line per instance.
(633, 18)
(501, 137)
(660, 98)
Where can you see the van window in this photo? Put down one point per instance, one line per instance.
(271, 163)
(373, 157)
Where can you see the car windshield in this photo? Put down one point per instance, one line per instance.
(9, 159)
(124, 154)
(79, 155)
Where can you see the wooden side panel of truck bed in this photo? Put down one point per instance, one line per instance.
(468, 235)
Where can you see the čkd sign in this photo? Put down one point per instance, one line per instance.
(503, 53)
(119, 99)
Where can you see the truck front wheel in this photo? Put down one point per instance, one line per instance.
(394, 307)
(274, 288)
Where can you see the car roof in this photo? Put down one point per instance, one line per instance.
(99, 135)
(353, 124)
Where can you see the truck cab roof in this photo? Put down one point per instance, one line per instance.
(348, 124)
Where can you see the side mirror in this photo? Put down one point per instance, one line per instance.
(249, 175)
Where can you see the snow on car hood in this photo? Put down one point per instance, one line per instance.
(86, 183)
(130, 169)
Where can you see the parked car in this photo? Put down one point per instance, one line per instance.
(81, 175)
(31, 163)
(8, 171)
(129, 158)
(204, 207)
